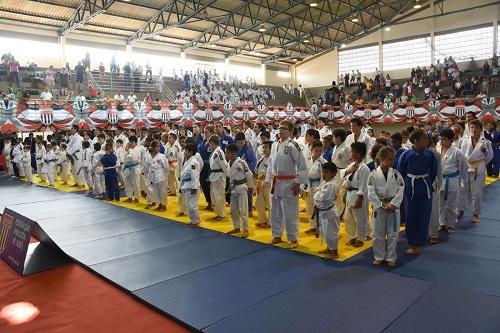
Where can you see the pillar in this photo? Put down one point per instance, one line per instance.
(61, 40)
(433, 29)
(128, 50)
(263, 70)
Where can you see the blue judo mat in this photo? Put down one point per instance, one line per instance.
(214, 283)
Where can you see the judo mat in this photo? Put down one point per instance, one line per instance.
(212, 282)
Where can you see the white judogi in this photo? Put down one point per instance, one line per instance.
(454, 166)
(120, 137)
(97, 172)
(158, 174)
(120, 154)
(8, 161)
(172, 153)
(217, 178)
(62, 165)
(356, 219)
(385, 224)
(17, 156)
(25, 165)
(49, 159)
(87, 166)
(436, 185)
(190, 180)
(75, 149)
(314, 179)
(363, 137)
(39, 153)
(241, 179)
(341, 156)
(473, 183)
(263, 199)
(324, 131)
(324, 200)
(132, 173)
(287, 167)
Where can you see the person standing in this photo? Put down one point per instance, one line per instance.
(14, 71)
(79, 71)
(287, 171)
(419, 168)
(217, 177)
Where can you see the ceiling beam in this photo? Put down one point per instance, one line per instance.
(231, 26)
(174, 14)
(86, 10)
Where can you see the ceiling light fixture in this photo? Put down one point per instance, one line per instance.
(342, 46)
(387, 28)
(417, 5)
(355, 20)
(262, 28)
(313, 4)
(294, 59)
(306, 40)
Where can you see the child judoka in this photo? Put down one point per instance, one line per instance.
(132, 170)
(263, 189)
(49, 159)
(355, 181)
(172, 153)
(158, 169)
(62, 164)
(111, 163)
(97, 171)
(454, 166)
(478, 153)
(418, 167)
(241, 179)
(314, 164)
(39, 152)
(190, 183)
(25, 163)
(385, 193)
(217, 177)
(325, 211)
(87, 164)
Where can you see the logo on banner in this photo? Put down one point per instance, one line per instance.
(165, 115)
(460, 110)
(368, 113)
(5, 228)
(113, 117)
(410, 112)
(47, 117)
(209, 115)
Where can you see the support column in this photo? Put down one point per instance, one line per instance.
(381, 51)
(61, 40)
(433, 28)
(263, 69)
(495, 29)
(128, 50)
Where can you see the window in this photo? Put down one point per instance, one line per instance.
(75, 53)
(498, 41)
(462, 45)
(407, 54)
(26, 51)
(364, 59)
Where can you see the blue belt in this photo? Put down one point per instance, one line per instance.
(314, 180)
(447, 178)
(394, 220)
(130, 166)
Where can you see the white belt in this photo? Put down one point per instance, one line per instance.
(413, 177)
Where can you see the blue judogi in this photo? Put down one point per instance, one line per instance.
(327, 154)
(225, 140)
(402, 208)
(419, 170)
(111, 176)
(205, 151)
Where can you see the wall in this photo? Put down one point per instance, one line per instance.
(316, 72)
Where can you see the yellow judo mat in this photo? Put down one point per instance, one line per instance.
(307, 243)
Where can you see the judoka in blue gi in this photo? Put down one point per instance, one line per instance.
(418, 166)
(110, 162)
(247, 154)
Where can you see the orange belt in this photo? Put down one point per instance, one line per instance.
(282, 177)
(172, 162)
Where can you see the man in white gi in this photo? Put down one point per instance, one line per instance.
(132, 171)
(217, 177)
(287, 171)
(74, 151)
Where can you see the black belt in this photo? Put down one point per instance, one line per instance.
(216, 170)
(315, 216)
(352, 189)
(239, 182)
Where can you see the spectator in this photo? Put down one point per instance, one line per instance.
(46, 95)
(79, 70)
(131, 98)
(63, 80)
(119, 97)
(101, 71)
(92, 92)
(486, 69)
(86, 61)
(49, 77)
(113, 67)
(14, 71)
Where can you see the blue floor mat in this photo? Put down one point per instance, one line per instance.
(111, 248)
(449, 309)
(489, 206)
(212, 294)
(89, 232)
(156, 266)
(463, 271)
(470, 245)
(349, 299)
(486, 227)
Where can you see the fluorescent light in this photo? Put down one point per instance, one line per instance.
(417, 6)
(387, 28)
(294, 59)
(355, 20)
(313, 4)
(262, 28)
(306, 40)
(342, 46)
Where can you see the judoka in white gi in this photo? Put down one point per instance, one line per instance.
(158, 174)
(341, 157)
(385, 193)
(287, 171)
(355, 178)
(97, 172)
(132, 170)
(325, 211)
(86, 165)
(454, 166)
(263, 189)
(74, 151)
(172, 153)
(478, 153)
(190, 183)
(241, 181)
(217, 177)
(39, 153)
(49, 159)
(314, 164)
(62, 164)
(25, 163)
(436, 186)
